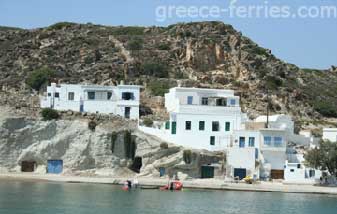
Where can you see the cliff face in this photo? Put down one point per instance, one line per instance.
(113, 149)
(204, 54)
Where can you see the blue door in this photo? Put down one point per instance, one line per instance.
(55, 166)
(240, 172)
(161, 171)
(242, 142)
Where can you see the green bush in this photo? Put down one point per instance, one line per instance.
(155, 69)
(148, 122)
(60, 25)
(164, 46)
(325, 108)
(158, 88)
(39, 77)
(259, 51)
(49, 114)
(187, 156)
(135, 44)
(164, 145)
(273, 83)
(129, 31)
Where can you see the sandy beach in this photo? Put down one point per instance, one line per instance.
(211, 184)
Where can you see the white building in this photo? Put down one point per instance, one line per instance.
(296, 172)
(212, 119)
(121, 100)
(330, 134)
(203, 118)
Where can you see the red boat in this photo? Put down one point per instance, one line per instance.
(174, 185)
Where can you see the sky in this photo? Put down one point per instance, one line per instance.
(309, 42)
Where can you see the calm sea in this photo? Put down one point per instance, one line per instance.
(18, 197)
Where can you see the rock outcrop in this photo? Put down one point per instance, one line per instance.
(113, 149)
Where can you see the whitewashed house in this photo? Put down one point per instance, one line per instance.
(203, 118)
(296, 172)
(330, 134)
(121, 100)
(212, 119)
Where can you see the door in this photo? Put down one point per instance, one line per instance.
(242, 142)
(127, 112)
(55, 166)
(161, 171)
(277, 174)
(207, 172)
(28, 166)
(240, 172)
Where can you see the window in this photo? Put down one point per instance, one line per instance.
(188, 125)
(251, 142)
(212, 140)
(233, 102)
(189, 100)
(267, 140)
(91, 95)
(292, 170)
(221, 102)
(57, 94)
(242, 142)
(109, 95)
(227, 126)
(49, 94)
(311, 173)
(277, 141)
(204, 101)
(127, 96)
(201, 125)
(167, 125)
(71, 96)
(298, 166)
(174, 127)
(215, 126)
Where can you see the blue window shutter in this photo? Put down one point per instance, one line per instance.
(190, 100)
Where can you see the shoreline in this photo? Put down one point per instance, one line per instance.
(205, 184)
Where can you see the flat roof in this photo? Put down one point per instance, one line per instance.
(203, 89)
(330, 129)
(101, 86)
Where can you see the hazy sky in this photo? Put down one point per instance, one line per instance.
(307, 42)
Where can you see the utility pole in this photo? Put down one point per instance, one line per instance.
(268, 104)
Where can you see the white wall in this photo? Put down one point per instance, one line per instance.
(242, 158)
(301, 174)
(275, 158)
(115, 105)
(201, 139)
(330, 134)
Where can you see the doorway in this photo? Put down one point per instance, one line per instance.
(127, 111)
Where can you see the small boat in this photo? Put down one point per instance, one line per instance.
(174, 185)
(149, 187)
(125, 188)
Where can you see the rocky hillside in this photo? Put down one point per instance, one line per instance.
(205, 54)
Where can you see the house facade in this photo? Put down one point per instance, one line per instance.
(295, 171)
(212, 119)
(330, 134)
(203, 118)
(121, 100)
